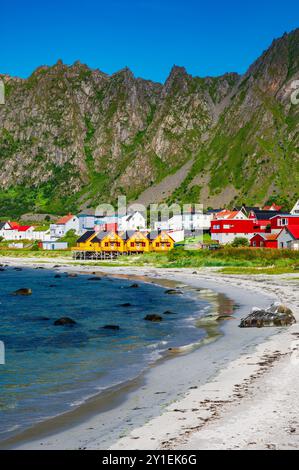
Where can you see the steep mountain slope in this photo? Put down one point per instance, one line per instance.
(71, 137)
(253, 152)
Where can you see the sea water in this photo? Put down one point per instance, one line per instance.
(50, 369)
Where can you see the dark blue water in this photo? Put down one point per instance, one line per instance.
(50, 369)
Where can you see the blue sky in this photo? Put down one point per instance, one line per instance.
(149, 36)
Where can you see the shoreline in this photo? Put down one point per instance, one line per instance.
(178, 425)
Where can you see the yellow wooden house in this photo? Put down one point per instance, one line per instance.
(89, 241)
(112, 242)
(160, 241)
(137, 242)
(124, 242)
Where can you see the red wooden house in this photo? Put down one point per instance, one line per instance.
(261, 240)
(279, 221)
(225, 231)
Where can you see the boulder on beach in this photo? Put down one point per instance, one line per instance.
(23, 291)
(173, 292)
(110, 327)
(153, 317)
(276, 315)
(64, 321)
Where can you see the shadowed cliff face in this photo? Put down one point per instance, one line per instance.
(71, 137)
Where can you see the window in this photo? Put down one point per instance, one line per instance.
(283, 222)
(132, 244)
(216, 227)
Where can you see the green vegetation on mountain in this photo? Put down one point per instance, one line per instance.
(72, 137)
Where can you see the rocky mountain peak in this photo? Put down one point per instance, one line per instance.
(71, 136)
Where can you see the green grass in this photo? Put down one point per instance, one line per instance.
(229, 260)
(27, 253)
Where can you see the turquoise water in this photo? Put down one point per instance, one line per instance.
(50, 369)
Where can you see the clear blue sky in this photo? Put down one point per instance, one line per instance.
(207, 37)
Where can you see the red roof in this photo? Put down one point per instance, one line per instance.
(294, 230)
(23, 228)
(14, 225)
(274, 207)
(65, 219)
(226, 214)
(272, 236)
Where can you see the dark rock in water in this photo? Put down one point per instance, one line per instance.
(56, 266)
(111, 327)
(173, 292)
(18, 269)
(57, 276)
(127, 304)
(39, 267)
(2, 269)
(276, 315)
(153, 317)
(23, 291)
(134, 286)
(64, 321)
(169, 312)
(52, 285)
(41, 319)
(94, 278)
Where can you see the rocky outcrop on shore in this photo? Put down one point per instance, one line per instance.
(276, 315)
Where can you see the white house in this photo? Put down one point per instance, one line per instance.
(187, 221)
(40, 235)
(177, 235)
(86, 222)
(231, 215)
(4, 228)
(289, 238)
(134, 221)
(23, 232)
(63, 225)
(295, 210)
(54, 245)
(14, 231)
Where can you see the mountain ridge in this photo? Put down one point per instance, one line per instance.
(71, 136)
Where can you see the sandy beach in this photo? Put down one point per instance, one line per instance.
(243, 396)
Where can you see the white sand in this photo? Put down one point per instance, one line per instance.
(253, 403)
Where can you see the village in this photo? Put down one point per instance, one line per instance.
(105, 236)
